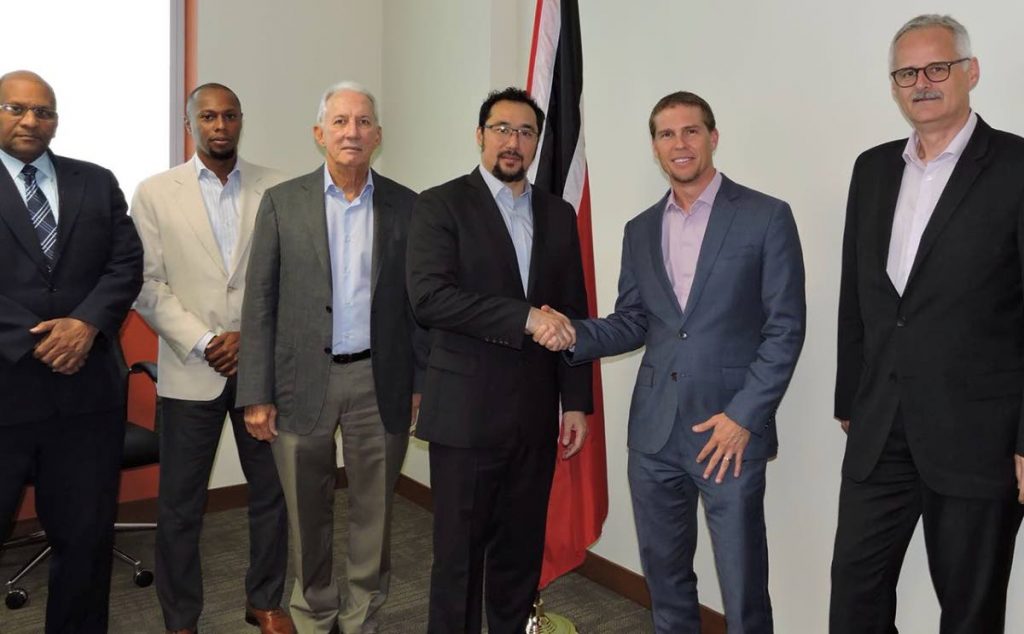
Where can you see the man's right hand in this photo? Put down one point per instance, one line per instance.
(222, 353)
(550, 328)
(261, 421)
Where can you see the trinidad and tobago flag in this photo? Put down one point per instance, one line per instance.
(579, 493)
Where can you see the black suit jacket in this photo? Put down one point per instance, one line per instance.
(287, 321)
(949, 353)
(488, 384)
(96, 274)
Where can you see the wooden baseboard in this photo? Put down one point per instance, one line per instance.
(620, 580)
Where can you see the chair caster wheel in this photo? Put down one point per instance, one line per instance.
(143, 578)
(16, 598)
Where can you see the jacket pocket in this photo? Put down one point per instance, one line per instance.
(645, 376)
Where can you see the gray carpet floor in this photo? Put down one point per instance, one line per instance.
(592, 608)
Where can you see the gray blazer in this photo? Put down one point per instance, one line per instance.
(736, 345)
(287, 325)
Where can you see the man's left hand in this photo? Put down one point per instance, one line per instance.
(574, 432)
(725, 446)
(1018, 463)
(65, 344)
(222, 353)
(416, 398)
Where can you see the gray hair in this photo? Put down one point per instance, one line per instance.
(341, 86)
(960, 36)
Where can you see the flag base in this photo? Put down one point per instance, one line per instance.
(541, 622)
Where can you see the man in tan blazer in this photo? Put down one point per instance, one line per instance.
(196, 224)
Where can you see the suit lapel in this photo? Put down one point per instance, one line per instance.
(193, 211)
(70, 191)
(314, 210)
(248, 204)
(14, 214)
(383, 221)
(888, 195)
(537, 249)
(960, 181)
(654, 230)
(722, 214)
(491, 217)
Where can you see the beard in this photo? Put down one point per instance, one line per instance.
(508, 177)
(223, 155)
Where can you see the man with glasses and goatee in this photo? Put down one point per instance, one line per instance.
(70, 267)
(931, 348)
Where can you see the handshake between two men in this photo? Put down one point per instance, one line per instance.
(550, 328)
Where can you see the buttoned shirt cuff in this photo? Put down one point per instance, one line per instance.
(199, 350)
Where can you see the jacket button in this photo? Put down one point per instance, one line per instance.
(682, 334)
(901, 321)
(327, 351)
(675, 376)
(328, 308)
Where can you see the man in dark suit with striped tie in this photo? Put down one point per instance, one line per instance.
(70, 267)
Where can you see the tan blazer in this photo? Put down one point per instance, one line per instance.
(186, 290)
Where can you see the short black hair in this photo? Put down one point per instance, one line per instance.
(511, 93)
(191, 101)
(683, 98)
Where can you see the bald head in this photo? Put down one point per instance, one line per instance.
(29, 76)
(28, 119)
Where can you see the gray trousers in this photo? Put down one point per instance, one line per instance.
(189, 434)
(307, 465)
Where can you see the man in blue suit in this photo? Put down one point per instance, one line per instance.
(712, 282)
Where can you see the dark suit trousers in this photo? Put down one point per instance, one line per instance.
(665, 488)
(969, 544)
(490, 514)
(75, 463)
(189, 434)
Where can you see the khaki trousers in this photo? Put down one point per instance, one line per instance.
(307, 466)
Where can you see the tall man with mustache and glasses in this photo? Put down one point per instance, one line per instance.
(930, 372)
(330, 341)
(196, 224)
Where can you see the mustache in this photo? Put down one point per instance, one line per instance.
(511, 154)
(926, 94)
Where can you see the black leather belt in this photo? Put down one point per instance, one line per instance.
(350, 358)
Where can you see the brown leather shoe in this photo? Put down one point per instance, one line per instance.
(275, 621)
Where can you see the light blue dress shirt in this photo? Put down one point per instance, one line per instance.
(46, 178)
(518, 216)
(221, 202)
(350, 236)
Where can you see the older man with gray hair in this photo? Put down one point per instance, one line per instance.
(931, 349)
(330, 341)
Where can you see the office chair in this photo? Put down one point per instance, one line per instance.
(141, 448)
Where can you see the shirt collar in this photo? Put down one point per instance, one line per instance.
(705, 200)
(330, 188)
(953, 150)
(43, 163)
(496, 186)
(201, 169)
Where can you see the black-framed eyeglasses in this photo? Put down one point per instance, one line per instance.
(936, 72)
(17, 110)
(505, 131)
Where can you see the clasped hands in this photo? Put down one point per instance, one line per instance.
(65, 343)
(222, 353)
(550, 329)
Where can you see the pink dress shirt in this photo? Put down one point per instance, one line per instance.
(920, 190)
(682, 233)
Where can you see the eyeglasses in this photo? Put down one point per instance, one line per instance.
(936, 72)
(505, 131)
(17, 110)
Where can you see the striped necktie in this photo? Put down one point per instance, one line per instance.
(39, 211)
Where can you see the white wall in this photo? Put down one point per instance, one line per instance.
(799, 89)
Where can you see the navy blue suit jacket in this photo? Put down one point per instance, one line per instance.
(735, 346)
(95, 276)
